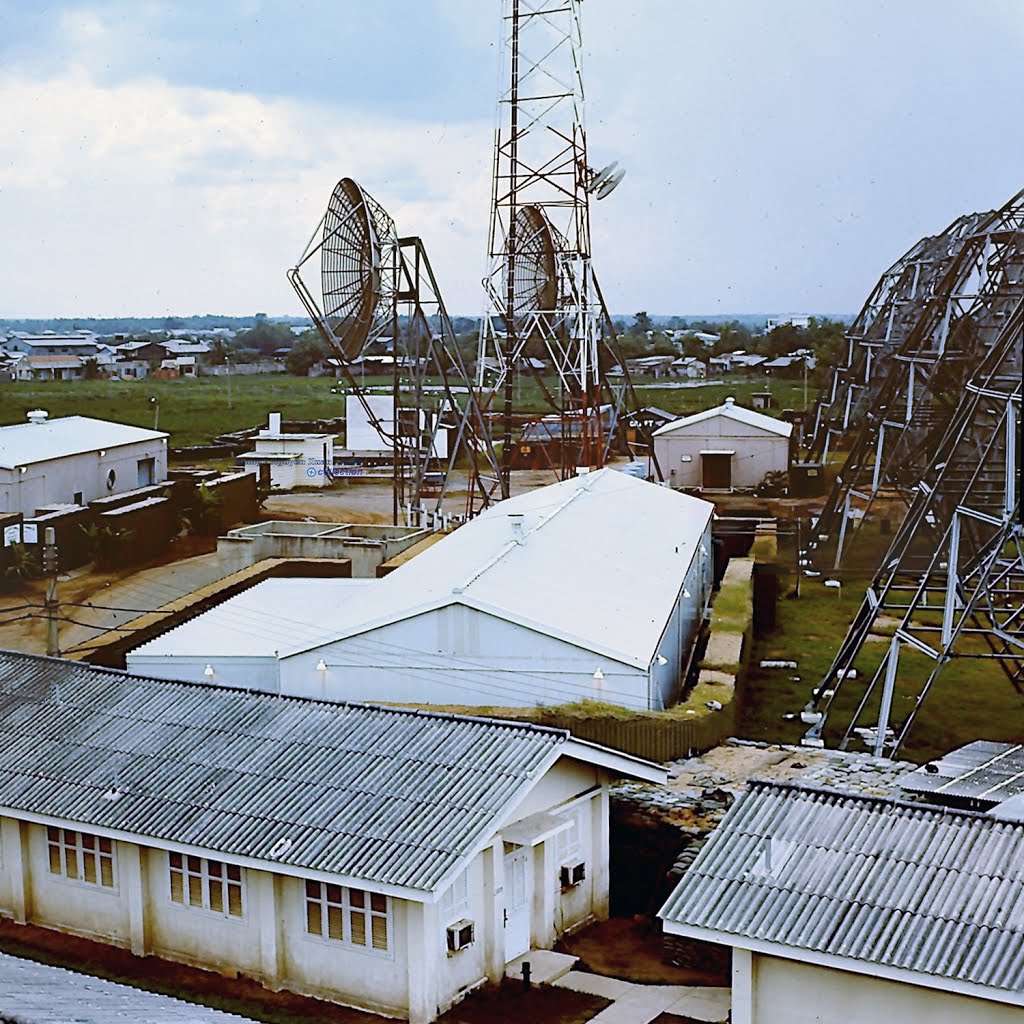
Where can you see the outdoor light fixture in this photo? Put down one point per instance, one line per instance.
(208, 672)
(662, 660)
(321, 665)
(103, 451)
(598, 674)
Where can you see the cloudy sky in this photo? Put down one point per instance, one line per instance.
(160, 157)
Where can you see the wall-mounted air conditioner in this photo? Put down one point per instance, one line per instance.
(573, 873)
(460, 935)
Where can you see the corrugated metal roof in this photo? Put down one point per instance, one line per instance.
(380, 794)
(272, 618)
(924, 889)
(599, 561)
(983, 773)
(33, 993)
(24, 443)
(734, 412)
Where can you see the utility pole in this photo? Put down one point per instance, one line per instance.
(51, 605)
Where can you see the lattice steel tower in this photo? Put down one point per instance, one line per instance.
(543, 300)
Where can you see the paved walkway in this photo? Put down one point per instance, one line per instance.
(631, 1003)
(639, 1004)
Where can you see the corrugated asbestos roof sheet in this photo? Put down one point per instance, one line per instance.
(929, 890)
(32, 993)
(731, 411)
(984, 772)
(380, 794)
(24, 443)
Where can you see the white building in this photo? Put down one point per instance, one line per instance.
(723, 448)
(370, 428)
(853, 909)
(387, 859)
(295, 460)
(800, 320)
(591, 588)
(239, 642)
(74, 460)
(76, 343)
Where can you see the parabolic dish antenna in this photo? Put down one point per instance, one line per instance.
(350, 266)
(535, 275)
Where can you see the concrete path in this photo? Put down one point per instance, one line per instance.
(639, 1004)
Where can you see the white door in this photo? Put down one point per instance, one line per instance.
(517, 903)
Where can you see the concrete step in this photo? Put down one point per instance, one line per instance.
(546, 965)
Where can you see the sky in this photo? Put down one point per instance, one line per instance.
(173, 158)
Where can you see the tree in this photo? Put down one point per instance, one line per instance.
(266, 337)
(642, 323)
(304, 355)
(91, 366)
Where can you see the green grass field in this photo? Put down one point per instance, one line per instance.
(971, 700)
(194, 411)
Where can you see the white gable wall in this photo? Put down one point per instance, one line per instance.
(801, 993)
(758, 452)
(459, 655)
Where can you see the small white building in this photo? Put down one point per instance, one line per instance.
(386, 859)
(370, 428)
(295, 460)
(723, 448)
(854, 909)
(74, 460)
(593, 588)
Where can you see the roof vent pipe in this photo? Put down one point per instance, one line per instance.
(38, 416)
(516, 520)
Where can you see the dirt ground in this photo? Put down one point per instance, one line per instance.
(630, 949)
(509, 1004)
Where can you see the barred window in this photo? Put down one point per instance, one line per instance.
(206, 884)
(353, 916)
(81, 857)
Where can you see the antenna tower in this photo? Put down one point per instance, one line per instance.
(543, 299)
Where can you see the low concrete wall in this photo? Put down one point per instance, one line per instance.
(366, 546)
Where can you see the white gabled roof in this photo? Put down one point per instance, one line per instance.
(734, 412)
(22, 444)
(599, 564)
(274, 617)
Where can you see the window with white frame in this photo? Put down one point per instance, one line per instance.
(81, 857)
(455, 901)
(206, 884)
(353, 916)
(569, 841)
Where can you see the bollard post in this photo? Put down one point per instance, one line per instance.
(526, 975)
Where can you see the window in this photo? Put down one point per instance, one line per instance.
(455, 902)
(569, 845)
(81, 857)
(206, 884)
(353, 916)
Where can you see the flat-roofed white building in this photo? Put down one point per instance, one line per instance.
(74, 460)
(294, 459)
(723, 448)
(387, 859)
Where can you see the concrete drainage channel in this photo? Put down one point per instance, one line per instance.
(631, 1003)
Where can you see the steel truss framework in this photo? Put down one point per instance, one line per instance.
(953, 578)
(890, 313)
(979, 285)
(377, 286)
(542, 295)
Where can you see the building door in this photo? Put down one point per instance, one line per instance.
(716, 471)
(147, 470)
(517, 902)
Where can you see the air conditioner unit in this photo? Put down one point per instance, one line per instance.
(460, 935)
(573, 873)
